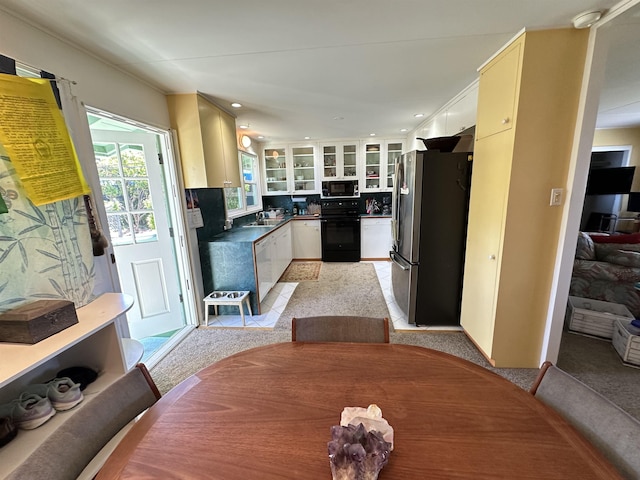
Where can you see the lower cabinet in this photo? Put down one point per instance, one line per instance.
(264, 266)
(375, 238)
(273, 254)
(307, 243)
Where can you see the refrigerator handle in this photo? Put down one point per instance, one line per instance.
(394, 259)
(395, 201)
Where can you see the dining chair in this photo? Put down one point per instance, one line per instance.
(75, 443)
(609, 428)
(340, 329)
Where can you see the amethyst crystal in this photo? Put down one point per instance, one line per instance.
(356, 454)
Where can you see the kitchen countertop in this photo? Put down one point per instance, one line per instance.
(252, 234)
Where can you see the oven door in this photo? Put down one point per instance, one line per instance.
(341, 239)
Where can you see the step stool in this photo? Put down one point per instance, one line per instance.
(236, 298)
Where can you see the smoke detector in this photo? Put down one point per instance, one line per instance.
(586, 19)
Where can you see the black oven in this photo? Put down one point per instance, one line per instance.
(340, 220)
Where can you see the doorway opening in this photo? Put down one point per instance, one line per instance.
(143, 217)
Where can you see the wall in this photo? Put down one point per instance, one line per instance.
(97, 83)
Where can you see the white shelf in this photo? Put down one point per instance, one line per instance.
(19, 359)
(93, 342)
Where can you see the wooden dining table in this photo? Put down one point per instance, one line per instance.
(267, 413)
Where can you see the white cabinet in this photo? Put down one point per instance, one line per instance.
(379, 157)
(273, 254)
(264, 266)
(454, 117)
(283, 250)
(394, 150)
(339, 160)
(92, 342)
(275, 171)
(375, 238)
(306, 239)
(461, 114)
(289, 169)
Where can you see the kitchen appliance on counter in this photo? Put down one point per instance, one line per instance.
(430, 203)
(340, 230)
(340, 189)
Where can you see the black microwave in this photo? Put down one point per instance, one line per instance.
(340, 188)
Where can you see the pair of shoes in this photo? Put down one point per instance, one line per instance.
(28, 411)
(8, 431)
(63, 393)
(39, 402)
(82, 375)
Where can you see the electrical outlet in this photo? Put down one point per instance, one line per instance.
(556, 197)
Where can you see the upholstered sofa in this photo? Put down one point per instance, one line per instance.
(607, 268)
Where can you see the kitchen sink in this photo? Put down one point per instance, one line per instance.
(267, 222)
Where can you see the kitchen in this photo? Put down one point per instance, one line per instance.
(136, 101)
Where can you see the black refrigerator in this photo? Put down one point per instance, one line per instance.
(430, 206)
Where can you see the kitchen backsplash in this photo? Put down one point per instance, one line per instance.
(211, 203)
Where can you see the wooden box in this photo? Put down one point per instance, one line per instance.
(36, 321)
(595, 317)
(626, 341)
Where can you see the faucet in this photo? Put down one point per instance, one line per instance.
(260, 216)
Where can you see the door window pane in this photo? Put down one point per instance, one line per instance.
(133, 162)
(113, 195)
(119, 229)
(144, 227)
(106, 159)
(125, 192)
(138, 195)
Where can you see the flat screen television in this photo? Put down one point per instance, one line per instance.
(633, 204)
(610, 181)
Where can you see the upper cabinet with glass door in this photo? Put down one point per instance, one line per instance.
(379, 158)
(304, 168)
(372, 166)
(275, 171)
(339, 161)
(394, 150)
(289, 170)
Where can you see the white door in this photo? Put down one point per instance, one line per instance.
(134, 195)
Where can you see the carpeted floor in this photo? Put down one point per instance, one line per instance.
(341, 289)
(355, 291)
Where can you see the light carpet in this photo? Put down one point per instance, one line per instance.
(341, 289)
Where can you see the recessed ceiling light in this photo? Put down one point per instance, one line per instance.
(338, 118)
(307, 138)
(260, 136)
(419, 115)
(372, 134)
(236, 105)
(244, 126)
(404, 129)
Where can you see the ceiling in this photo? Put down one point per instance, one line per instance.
(325, 69)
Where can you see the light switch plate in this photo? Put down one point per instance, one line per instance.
(556, 197)
(195, 218)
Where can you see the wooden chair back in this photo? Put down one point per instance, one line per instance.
(340, 329)
(610, 429)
